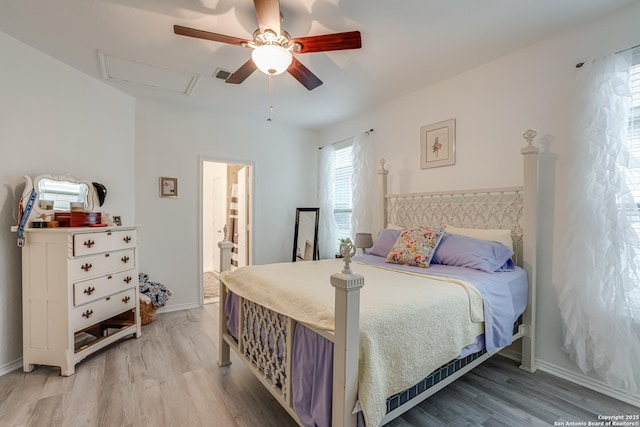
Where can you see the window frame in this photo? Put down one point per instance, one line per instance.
(340, 234)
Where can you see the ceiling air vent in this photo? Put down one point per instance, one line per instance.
(221, 74)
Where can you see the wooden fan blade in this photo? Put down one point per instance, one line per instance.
(303, 75)
(268, 13)
(327, 42)
(242, 73)
(199, 34)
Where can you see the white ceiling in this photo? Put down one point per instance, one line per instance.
(406, 45)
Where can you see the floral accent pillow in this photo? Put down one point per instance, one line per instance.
(416, 246)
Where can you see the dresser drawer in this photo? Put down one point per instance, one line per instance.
(101, 264)
(89, 290)
(93, 243)
(102, 309)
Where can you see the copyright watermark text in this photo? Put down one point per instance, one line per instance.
(626, 420)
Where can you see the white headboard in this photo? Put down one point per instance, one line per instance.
(505, 208)
(501, 208)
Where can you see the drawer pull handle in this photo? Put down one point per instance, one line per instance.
(89, 290)
(126, 299)
(125, 259)
(127, 279)
(87, 314)
(127, 239)
(89, 243)
(86, 267)
(107, 255)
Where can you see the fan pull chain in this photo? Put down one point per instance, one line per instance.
(270, 97)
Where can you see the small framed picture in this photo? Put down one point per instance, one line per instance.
(168, 187)
(117, 220)
(438, 144)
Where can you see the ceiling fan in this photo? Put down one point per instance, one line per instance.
(273, 47)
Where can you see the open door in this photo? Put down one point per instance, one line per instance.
(226, 201)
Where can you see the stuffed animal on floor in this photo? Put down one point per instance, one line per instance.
(153, 295)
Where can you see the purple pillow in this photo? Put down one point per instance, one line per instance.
(384, 242)
(463, 251)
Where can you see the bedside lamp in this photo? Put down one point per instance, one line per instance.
(364, 241)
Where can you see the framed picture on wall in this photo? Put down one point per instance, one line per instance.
(438, 144)
(168, 187)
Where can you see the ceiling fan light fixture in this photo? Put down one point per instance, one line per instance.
(272, 59)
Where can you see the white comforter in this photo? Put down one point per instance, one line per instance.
(409, 324)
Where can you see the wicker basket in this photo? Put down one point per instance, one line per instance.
(147, 312)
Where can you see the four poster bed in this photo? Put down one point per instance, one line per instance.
(347, 356)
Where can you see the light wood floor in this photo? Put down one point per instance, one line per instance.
(169, 377)
(211, 287)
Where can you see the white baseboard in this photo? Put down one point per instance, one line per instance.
(582, 380)
(178, 307)
(10, 367)
(590, 383)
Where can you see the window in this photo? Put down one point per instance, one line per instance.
(343, 200)
(633, 144)
(633, 136)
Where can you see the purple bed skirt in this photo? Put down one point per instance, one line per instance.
(311, 369)
(312, 372)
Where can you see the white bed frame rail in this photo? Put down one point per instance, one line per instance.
(513, 208)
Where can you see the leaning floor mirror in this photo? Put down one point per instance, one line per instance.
(305, 236)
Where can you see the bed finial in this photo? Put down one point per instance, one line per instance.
(528, 136)
(347, 250)
(382, 163)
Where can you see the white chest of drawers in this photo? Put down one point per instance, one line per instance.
(79, 293)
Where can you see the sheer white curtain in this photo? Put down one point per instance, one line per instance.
(600, 333)
(363, 185)
(327, 227)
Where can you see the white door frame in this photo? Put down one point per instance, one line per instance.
(199, 209)
(244, 227)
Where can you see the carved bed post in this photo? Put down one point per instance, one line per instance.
(346, 346)
(225, 265)
(382, 192)
(529, 249)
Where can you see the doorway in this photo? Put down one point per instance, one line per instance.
(226, 202)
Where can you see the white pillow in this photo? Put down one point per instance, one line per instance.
(394, 227)
(493, 234)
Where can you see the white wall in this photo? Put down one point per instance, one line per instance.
(170, 140)
(54, 119)
(493, 105)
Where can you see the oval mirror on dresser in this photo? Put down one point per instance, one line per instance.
(59, 193)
